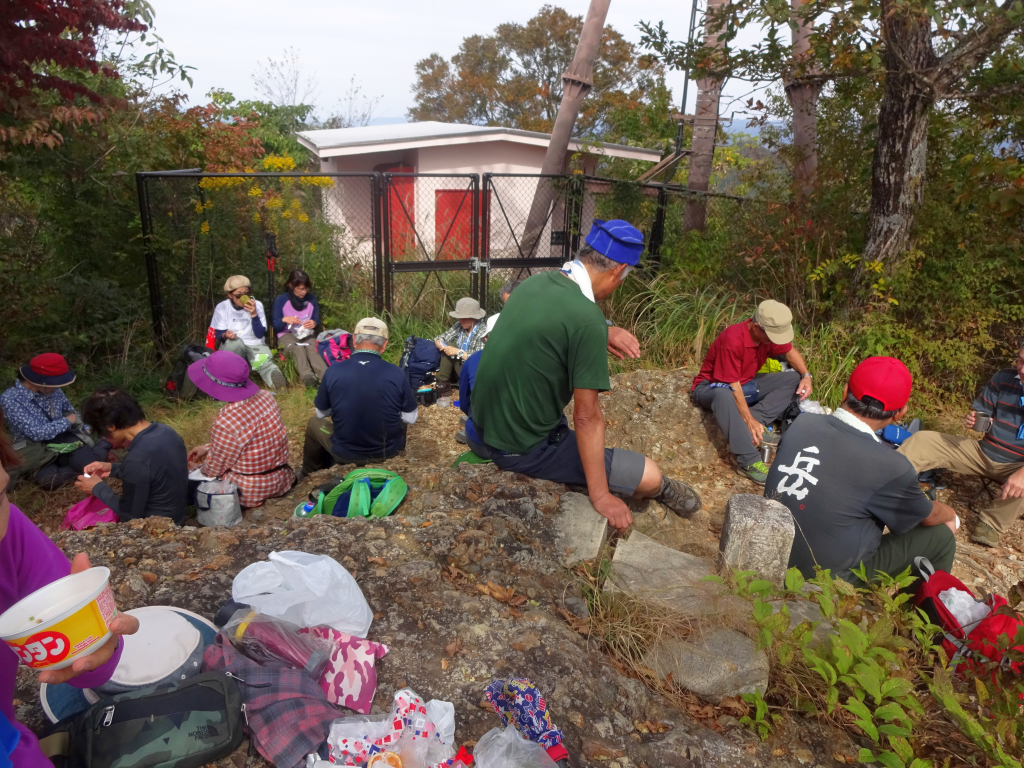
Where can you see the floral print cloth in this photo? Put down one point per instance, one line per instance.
(518, 702)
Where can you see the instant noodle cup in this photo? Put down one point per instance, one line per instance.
(65, 620)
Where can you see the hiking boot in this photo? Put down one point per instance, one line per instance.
(460, 437)
(678, 496)
(443, 388)
(277, 380)
(985, 535)
(758, 472)
(309, 380)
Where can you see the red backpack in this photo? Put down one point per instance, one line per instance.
(970, 646)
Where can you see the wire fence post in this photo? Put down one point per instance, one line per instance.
(156, 307)
(657, 232)
(378, 243)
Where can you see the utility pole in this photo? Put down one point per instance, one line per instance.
(577, 81)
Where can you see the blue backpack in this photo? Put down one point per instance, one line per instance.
(420, 357)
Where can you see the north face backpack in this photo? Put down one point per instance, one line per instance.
(189, 354)
(969, 648)
(362, 493)
(334, 346)
(419, 357)
(187, 725)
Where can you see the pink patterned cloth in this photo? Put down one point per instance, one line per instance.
(350, 679)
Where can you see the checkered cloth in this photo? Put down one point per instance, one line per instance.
(287, 715)
(249, 438)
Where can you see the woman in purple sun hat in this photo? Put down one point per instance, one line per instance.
(248, 441)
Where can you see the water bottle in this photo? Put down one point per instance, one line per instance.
(305, 510)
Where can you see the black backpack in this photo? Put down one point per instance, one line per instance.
(185, 725)
(189, 354)
(420, 359)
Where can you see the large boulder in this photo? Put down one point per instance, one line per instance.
(719, 663)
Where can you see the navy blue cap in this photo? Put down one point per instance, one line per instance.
(618, 240)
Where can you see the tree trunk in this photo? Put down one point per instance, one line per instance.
(803, 99)
(899, 164)
(705, 127)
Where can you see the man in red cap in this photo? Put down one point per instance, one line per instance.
(44, 426)
(843, 485)
(998, 413)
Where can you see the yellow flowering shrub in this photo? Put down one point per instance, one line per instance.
(316, 181)
(303, 217)
(220, 182)
(278, 163)
(204, 228)
(255, 191)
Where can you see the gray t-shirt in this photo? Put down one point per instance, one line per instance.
(842, 488)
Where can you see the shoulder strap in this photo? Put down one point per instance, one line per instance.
(56, 744)
(390, 496)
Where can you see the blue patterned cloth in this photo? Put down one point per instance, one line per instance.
(518, 702)
(35, 417)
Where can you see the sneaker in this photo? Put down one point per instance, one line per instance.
(460, 437)
(985, 535)
(277, 380)
(678, 496)
(309, 380)
(758, 472)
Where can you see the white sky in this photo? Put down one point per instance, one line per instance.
(378, 42)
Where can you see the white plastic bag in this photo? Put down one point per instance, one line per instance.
(308, 590)
(965, 609)
(442, 715)
(217, 503)
(812, 406)
(508, 749)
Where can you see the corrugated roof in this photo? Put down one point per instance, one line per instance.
(413, 133)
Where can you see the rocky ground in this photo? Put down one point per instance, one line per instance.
(467, 583)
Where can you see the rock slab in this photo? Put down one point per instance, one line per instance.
(579, 529)
(721, 663)
(757, 536)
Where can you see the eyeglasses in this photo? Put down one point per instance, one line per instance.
(241, 293)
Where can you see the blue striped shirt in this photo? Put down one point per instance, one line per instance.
(1000, 399)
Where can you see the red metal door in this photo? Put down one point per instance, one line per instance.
(402, 216)
(453, 224)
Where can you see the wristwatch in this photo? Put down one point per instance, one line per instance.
(807, 376)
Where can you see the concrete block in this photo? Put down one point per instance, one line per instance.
(757, 536)
(579, 529)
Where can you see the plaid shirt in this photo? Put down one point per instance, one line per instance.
(286, 714)
(35, 417)
(467, 342)
(248, 438)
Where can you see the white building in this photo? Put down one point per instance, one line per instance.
(430, 217)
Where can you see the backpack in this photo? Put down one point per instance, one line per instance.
(974, 645)
(185, 725)
(419, 358)
(86, 514)
(334, 345)
(189, 354)
(363, 492)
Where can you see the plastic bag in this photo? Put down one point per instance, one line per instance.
(406, 731)
(307, 590)
(812, 406)
(263, 638)
(218, 503)
(442, 715)
(86, 514)
(965, 609)
(508, 749)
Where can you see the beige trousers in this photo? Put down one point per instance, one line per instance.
(931, 450)
(303, 353)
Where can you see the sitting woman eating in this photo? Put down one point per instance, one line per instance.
(248, 441)
(296, 315)
(28, 562)
(154, 473)
(240, 326)
(460, 341)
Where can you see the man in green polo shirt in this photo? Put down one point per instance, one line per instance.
(550, 347)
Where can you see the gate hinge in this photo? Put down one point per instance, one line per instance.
(476, 264)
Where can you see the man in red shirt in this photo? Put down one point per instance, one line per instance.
(742, 400)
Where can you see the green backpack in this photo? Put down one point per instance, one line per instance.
(363, 492)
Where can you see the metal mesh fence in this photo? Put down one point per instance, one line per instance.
(409, 245)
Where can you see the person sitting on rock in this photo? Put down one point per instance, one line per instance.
(363, 406)
(465, 337)
(248, 440)
(51, 441)
(998, 456)
(468, 377)
(154, 472)
(743, 401)
(843, 485)
(552, 348)
(240, 326)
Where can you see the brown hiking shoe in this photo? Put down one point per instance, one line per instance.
(678, 496)
(985, 535)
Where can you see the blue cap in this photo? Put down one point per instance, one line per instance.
(618, 240)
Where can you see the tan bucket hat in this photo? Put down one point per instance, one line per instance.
(467, 308)
(776, 320)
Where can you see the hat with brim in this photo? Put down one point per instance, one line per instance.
(491, 322)
(223, 376)
(617, 240)
(168, 648)
(467, 309)
(48, 370)
(776, 320)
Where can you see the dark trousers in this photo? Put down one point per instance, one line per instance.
(777, 391)
(896, 553)
(317, 452)
(450, 368)
(51, 470)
